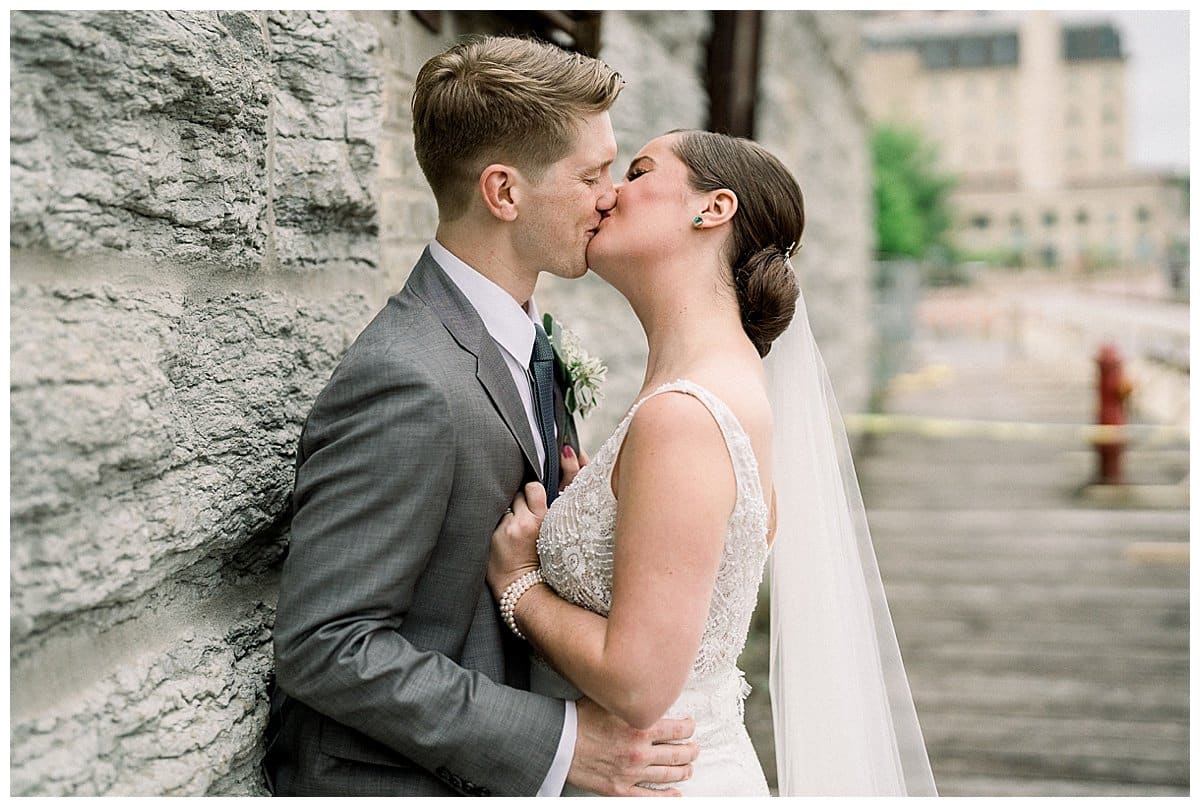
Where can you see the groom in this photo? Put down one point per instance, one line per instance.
(395, 674)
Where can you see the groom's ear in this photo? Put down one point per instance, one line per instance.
(722, 204)
(496, 185)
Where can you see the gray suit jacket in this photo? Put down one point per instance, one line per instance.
(395, 675)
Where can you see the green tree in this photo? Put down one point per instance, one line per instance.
(911, 198)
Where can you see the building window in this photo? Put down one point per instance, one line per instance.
(1072, 154)
(938, 54)
(981, 221)
(969, 51)
(1081, 217)
(1005, 49)
(1073, 116)
(1109, 115)
(973, 51)
(1049, 218)
(1143, 214)
(1111, 149)
(1091, 42)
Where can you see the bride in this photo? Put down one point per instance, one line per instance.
(638, 585)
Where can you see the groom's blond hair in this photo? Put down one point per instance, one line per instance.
(501, 100)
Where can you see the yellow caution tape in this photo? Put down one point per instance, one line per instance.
(953, 428)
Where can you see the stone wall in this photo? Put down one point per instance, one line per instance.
(194, 243)
(206, 207)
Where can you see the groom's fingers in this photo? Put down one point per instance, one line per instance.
(535, 498)
(640, 790)
(673, 756)
(672, 729)
(665, 775)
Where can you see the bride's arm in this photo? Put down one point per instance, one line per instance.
(675, 491)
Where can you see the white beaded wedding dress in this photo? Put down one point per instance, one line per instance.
(845, 723)
(576, 551)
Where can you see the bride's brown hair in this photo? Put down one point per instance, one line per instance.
(766, 228)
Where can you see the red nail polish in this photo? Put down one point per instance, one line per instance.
(568, 451)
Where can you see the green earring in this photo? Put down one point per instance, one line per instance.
(697, 222)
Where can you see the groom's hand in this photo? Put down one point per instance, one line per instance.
(612, 758)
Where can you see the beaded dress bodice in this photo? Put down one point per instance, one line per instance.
(575, 546)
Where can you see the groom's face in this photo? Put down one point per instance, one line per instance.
(560, 214)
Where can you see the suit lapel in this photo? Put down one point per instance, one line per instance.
(493, 374)
(431, 284)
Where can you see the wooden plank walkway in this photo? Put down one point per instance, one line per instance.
(1047, 651)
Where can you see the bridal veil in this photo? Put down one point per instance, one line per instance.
(845, 723)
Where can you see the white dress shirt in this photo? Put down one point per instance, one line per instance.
(512, 328)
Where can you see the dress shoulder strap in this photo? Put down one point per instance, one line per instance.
(737, 441)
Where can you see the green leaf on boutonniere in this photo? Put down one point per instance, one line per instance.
(583, 374)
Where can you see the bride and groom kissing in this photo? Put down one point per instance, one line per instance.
(469, 605)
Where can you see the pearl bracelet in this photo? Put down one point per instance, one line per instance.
(514, 591)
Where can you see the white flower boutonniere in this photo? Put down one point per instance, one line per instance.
(580, 374)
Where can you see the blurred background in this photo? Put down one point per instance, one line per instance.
(207, 207)
(1031, 181)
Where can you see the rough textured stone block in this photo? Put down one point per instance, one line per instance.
(328, 114)
(140, 130)
(184, 716)
(153, 427)
(156, 131)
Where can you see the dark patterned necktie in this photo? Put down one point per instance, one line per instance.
(541, 368)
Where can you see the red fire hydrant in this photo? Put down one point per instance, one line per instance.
(1113, 389)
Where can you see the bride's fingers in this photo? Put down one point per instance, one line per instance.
(568, 465)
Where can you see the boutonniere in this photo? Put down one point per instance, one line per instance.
(579, 373)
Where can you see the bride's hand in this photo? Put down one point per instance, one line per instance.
(569, 464)
(514, 541)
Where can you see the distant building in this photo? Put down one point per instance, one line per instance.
(1030, 113)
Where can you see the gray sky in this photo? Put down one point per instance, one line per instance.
(1157, 45)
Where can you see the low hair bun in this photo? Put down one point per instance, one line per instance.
(767, 291)
(766, 229)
